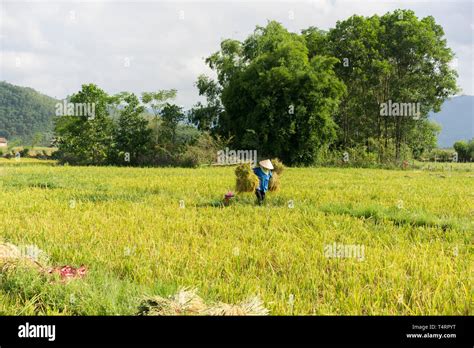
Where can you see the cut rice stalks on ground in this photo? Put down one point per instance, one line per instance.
(188, 302)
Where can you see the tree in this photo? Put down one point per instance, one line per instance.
(463, 151)
(206, 117)
(423, 138)
(394, 57)
(83, 139)
(156, 101)
(316, 41)
(420, 59)
(132, 136)
(275, 96)
(355, 43)
(470, 146)
(37, 137)
(171, 116)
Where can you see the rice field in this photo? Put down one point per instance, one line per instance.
(150, 231)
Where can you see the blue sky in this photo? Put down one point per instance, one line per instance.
(55, 46)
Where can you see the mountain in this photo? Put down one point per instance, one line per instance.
(24, 112)
(456, 119)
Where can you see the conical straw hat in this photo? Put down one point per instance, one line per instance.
(266, 164)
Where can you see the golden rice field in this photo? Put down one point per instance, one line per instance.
(150, 231)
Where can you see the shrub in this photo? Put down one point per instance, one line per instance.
(203, 151)
(441, 155)
(25, 152)
(464, 150)
(376, 153)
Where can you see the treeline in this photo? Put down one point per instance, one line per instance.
(363, 88)
(128, 130)
(464, 150)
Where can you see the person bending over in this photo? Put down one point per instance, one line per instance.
(264, 174)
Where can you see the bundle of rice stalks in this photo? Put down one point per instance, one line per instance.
(184, 302)
(278, 166)
(253, 306)
(246, 181)
(187, 302)
(274, 184)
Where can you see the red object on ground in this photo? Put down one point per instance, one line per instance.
(69, 272)
(228, 196)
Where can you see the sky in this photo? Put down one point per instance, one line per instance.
(148, 45)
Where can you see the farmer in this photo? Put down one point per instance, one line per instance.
(264, 173)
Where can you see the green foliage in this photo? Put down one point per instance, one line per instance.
(306, 98)
(373, 154)
(156, 101)
(470, 153)
(168, 145)
(24, 113)
(24, 152)
(423, 137)
(274, 96)
(37, 138)
(206, 117)
(440, 155)
(462, 149)
(202, 151)
(316, 41)
(465, 150)
(357, 156)
(121, 133)
(82, 139)
(394, 57)
(171, 116)
(132, 136)
(281, 92)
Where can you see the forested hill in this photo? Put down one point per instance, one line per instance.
(24, 112)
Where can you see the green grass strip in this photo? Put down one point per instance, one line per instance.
(398, 216)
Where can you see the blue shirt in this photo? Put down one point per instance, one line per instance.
(263, 178)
